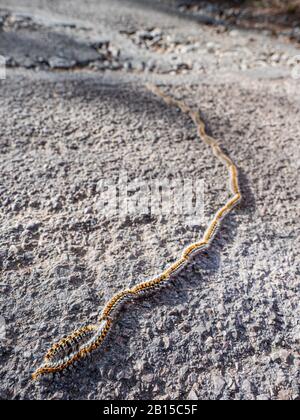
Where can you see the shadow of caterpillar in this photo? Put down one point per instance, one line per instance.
(87, 339)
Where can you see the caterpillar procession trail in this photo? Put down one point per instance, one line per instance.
(87, 339)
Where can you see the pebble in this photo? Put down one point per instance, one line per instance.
(211, 47)
(192, 395)
(33, 226)
(281, 355)
(263, 397)
(166, 342)
(148, 379)
(234, 33)
(137, 65)
(61, 63)
(218, 384)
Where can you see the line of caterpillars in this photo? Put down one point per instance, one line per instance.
(87, 339)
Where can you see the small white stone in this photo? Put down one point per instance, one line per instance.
(192, 395)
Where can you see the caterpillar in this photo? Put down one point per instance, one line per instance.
(67, 344)
(82, 342)
(65, 359)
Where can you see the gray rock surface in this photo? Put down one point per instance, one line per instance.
(228, 326)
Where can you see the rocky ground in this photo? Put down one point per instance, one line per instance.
(75, 112)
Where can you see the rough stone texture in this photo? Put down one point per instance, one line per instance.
(228, 326)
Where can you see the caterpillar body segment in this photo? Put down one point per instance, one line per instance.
(234, 182)
(176, 267)
(157, 282)
(221, 155)
(221, 214)
(71, 341)
(196, 117)
(116, 300)
(211, 231)
(51, 365)
(234, 201)
(194, 249)
(87, 339)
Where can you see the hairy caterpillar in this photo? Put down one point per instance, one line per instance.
(67, 344)
(54, 364)
(87, 339)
